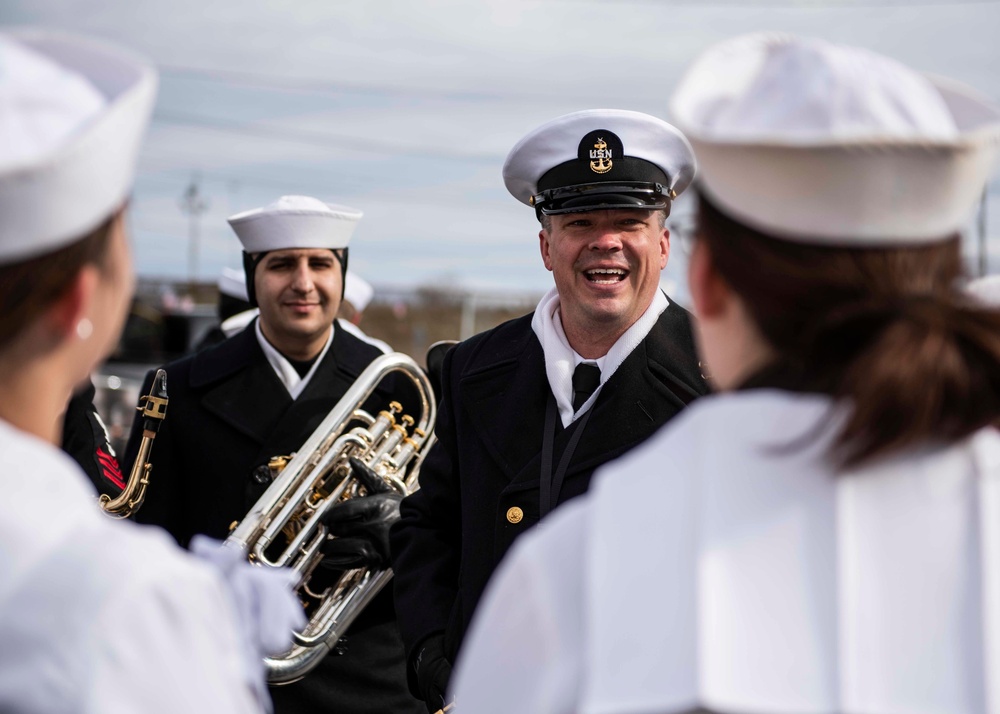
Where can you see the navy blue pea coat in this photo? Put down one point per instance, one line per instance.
(229, 414)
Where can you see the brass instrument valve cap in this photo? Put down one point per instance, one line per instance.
(388, 415)
(407, 420)
(395, 407)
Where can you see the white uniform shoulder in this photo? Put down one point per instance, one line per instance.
(753, 542)
(364, 337)
(99, 615)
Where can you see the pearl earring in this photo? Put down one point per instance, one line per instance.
(84, 328)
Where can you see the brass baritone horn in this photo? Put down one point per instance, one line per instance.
(153, 408)
(285, 527)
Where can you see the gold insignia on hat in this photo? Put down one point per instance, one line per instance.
(600, 157)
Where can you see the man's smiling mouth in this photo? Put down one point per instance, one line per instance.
(605, 276)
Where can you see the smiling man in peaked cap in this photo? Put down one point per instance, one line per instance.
(532, 407)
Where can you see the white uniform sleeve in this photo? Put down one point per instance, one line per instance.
(524, 649)
(170, 645)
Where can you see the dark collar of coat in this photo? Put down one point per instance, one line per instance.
(239, 385)
(504, 396)
(350, 354)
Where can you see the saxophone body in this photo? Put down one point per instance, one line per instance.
(285, 527)
(153, 410)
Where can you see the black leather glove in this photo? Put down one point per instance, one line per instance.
(361, 525)
(433, 672)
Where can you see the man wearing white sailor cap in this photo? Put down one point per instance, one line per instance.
(96, 615)
(821, 536)
(532, 407)
(260, 394)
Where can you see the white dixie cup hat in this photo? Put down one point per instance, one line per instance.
(233, 283)
(295, 222)
(358, 291)
(828, 144)
(73, 112)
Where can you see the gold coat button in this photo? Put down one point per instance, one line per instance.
(514, 514)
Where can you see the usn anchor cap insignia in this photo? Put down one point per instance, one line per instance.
(600, 157)
(599, 149)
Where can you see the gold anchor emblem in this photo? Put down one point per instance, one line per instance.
(600, 157)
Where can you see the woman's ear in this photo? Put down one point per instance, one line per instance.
(68, 317)
(710, 294)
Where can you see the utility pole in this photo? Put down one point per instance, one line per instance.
(983, 256)
(194, 205)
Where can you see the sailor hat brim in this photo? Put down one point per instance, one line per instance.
(55, 198)
(295, 222)
(648, 163)
(841, 185)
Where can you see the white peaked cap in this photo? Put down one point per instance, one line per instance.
(809, 140)
(73, 112)
(295, 222)
(233, 283)
(557, 142)
(358, 291)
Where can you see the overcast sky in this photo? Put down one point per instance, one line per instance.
(406, 109)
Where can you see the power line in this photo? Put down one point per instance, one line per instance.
(302, 184)
(320, 139)
(287, 83)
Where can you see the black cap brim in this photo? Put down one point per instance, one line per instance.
(601, 196)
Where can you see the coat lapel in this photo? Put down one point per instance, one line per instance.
(506, 404)
(341, 366)
(243, 380)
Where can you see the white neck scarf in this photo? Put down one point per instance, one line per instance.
(284, 369)
(561, 359)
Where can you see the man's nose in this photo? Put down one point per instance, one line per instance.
(606, 238)
(302, 280)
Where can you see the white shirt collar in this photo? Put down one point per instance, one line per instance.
(561, 359)
(284, 369)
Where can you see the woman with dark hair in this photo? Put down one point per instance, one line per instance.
(823, 535)
(96, 615)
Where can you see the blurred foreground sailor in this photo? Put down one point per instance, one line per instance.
(532, 407)
(96, 615)
(260, 394)
(825, 535)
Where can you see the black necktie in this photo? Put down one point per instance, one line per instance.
(586, 378)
